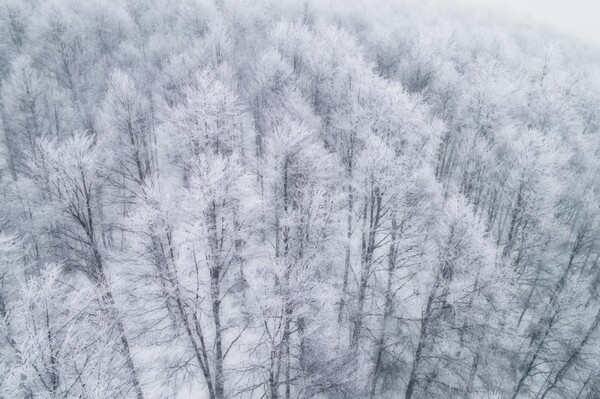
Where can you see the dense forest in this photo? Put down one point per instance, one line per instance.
(275, 199)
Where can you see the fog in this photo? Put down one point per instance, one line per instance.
(577, 18)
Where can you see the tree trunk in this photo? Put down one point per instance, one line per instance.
(530, 365)
(388, 307)
(348, 249)
(573, 357)
(216, 303)
(373, 205)
(108, 299)
(412, 381)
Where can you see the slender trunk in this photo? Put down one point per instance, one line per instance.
(412, 381)
(198, 353)
(287, 357)
(475, 363)
(275, 366)
(198, 346)
(367, 249)
(584, 385)
(530, 295)
(216, 303)
(553, 307)
(472, 374)
(573, 357)
(136, 153)
(11, 151)
(514, 222)
(388, 308)
(215, 293)
(377, 366)
(348, 253)
(301, 329)
(288, 311)
(53, 370)
(165, 274)
(109, 303)
(107, 297)
(530, 365)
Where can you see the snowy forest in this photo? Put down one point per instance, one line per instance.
(219, 199)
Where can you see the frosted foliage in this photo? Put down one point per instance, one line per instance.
(272, 200)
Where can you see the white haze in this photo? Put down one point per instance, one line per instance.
(578, 18)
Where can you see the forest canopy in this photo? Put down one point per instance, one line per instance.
(277, 199)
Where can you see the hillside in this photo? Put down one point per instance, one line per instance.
(276, 199)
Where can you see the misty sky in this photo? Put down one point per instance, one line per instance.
(579, 18)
